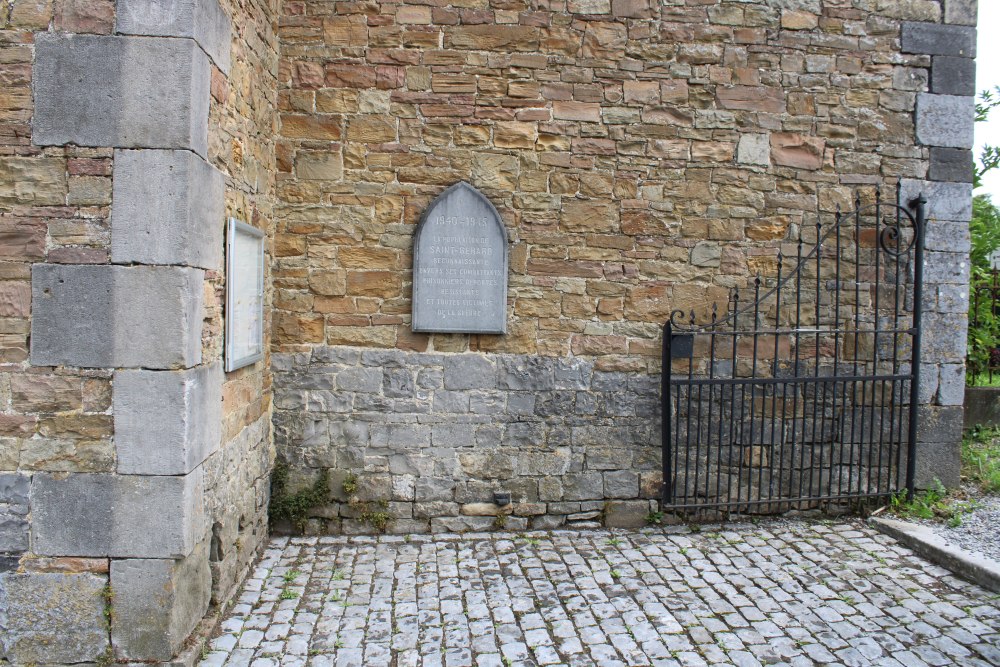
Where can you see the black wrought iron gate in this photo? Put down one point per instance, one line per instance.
(804, 391)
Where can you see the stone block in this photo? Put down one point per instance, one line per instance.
(583, 486)
(469, 371)
(944, 337)
(33, 181)
(953, 76)
(169, 208)
(117, 516)
(951, 164)
(950, 237)
(945, 120)
(961, 12)
(626, 513)
(945, 201)
(52, 618)
(116, 316)
(126, 92)
(526, 373)
(14, 488)
(202, 20)
(621, 484)
(951, 385)
(754, 149)
(158, 602)
(938, 462)
(935, 39)
(167, 422)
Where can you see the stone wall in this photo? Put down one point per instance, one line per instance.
(133, 471)
(431, 437)
(241, 142)
(645, 157)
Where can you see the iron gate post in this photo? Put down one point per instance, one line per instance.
(919, 203)
(665, 416)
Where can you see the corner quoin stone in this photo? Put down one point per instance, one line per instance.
(167, 422)
(125, 92)
(117, 516)
(953, 76)
(202, 20)
(945, 201)
(951, 164)
(935, 39)
(116, 316)
(158, 602)
(945, 120)
(168, 208)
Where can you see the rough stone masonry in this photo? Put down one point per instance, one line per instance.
(644, 155)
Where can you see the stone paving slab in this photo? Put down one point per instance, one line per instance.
(776, 593)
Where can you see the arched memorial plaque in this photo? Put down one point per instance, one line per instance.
(460, 256)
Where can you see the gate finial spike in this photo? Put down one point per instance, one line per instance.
(692, 317)
(715, 311)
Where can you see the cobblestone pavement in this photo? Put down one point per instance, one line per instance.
(777, 593)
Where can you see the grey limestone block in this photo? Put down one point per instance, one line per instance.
(157, 603)
(125, 92)
(951, 164)
(935, 39)
(168, 208)
(202, 20)
(754, 149)
(117, 516)
(469, 371)
(951, 385)
(944, 236)
(14, 490)
(52, 618)
(945, 120)
(945, 201)
(626, 513)
(951, 75)
(167, 422)
(526, 373)
(961, 12)
(101, 316)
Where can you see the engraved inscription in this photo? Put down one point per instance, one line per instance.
(460, 265)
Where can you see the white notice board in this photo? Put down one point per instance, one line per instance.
(244, 295)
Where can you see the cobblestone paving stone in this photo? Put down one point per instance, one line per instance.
(776, 593)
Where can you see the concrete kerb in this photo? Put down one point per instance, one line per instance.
(925, 542)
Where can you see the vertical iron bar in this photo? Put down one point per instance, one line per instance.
(918, 306)
(733, 431)
(698, 422)
(855, 408)
(774, 390)
(742, 441)
(711, 403)
(897, 404)
(798, 370)
(878, 393)
(665, 414)
(836, 425)
(753, 395)
(815, 401)
(687, 435)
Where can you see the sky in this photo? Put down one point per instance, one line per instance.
(987, 77)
